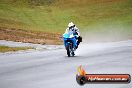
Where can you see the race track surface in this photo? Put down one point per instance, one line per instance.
(53, 69)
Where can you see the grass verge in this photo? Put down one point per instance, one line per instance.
(28, 36)
(7, 49)
(41, 21)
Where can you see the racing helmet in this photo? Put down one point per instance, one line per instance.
(71, 24)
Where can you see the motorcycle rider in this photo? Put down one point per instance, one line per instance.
(72, 29)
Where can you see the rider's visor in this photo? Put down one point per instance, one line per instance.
(71, 27)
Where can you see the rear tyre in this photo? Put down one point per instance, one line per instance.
(73, 53)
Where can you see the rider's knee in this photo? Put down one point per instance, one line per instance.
(80, 39)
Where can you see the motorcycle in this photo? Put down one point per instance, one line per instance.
(70, 44)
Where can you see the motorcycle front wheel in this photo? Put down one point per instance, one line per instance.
(68, 49)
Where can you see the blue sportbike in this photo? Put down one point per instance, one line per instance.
(70, 43)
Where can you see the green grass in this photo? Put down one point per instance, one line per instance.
(7, 49)
(54, 17)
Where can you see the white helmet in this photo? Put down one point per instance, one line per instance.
(71, 24)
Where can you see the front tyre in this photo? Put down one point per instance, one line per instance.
(68, 50)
